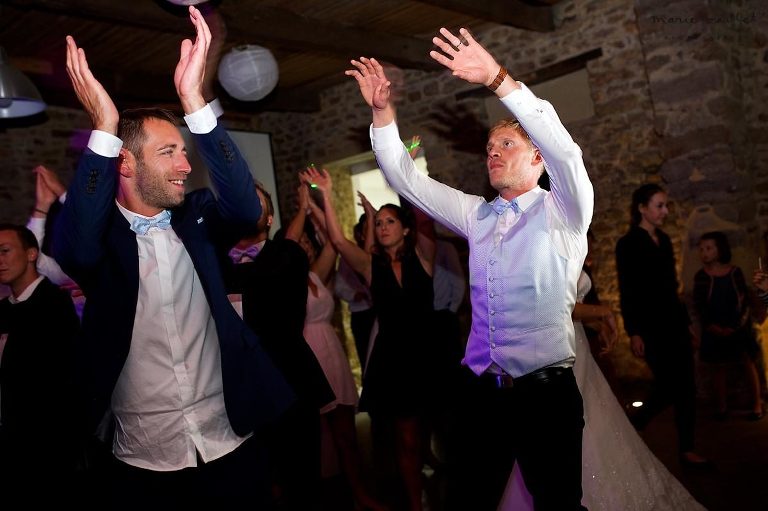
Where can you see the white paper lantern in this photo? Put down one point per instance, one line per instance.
(187, 2)
(248, 72)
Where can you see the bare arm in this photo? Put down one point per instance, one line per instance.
(601, 318)
(370, 222)
(296, 227)
(325, 263)
(358, 259)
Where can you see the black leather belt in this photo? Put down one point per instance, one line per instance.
(505, 381)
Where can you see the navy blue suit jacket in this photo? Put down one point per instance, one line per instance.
(96, 247)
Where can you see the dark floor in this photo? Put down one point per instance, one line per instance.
(737, 447)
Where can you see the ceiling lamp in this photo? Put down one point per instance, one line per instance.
(187, 2)
(248, 72)
(18, 95)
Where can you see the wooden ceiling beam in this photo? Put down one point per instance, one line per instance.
(261, 25)
(513, 13)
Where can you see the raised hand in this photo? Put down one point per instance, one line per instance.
(374, 86)
(414, 146)
(91, 94)
(320, 178)
(366, 205)
(44, 196)
(218, 29)
(465, 57)
(50, 179)
(190, 70)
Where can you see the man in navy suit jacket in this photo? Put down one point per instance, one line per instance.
(187, 383)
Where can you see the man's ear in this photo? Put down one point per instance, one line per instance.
(126, 163)
(269, 220)
(537, 157)
(32, 255)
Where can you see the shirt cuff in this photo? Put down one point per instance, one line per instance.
(104, 144)
(521, 101)
(37, 226)
(202, 121)
(218, 110)
(385, 137)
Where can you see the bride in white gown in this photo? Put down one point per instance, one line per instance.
(619, 472)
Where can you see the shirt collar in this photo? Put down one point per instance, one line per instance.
(525, 200)
(27, 292)
(130, 215)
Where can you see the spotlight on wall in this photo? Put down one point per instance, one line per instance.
(18, 95)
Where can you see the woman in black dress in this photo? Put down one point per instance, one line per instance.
(398, 269)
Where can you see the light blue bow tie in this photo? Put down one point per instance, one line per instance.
(237, 254)
(140, 224)
(499, 206)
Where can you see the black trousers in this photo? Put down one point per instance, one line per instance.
(539, 425)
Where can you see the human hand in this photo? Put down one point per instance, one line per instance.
(467, 58)
(374, 85)
(51, 180)
(44, 196)
(218, 29)
(89, 91)
(637, 345)
(608, 334)
(366, 205)
(190, 70)
(415, 146)
(319, 179)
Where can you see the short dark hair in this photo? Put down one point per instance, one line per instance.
(130, 128)
(26, 236)
(642, 196)
(721, 242)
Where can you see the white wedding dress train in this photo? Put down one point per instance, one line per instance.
(619, 471)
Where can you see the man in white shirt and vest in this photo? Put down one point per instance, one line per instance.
(187, 383)
(520, 402)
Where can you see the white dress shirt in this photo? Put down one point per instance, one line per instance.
(168, 401)
(567, 213)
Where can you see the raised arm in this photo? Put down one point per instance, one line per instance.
(45, 196)
(296, 226)
(356, 257)
(325, 262)
(370, 222)
(78, 239)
